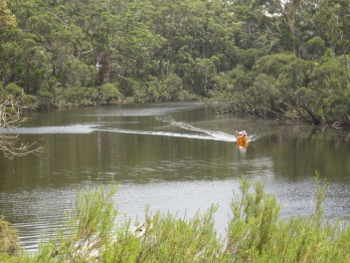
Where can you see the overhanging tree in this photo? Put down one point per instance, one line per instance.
(10, 117)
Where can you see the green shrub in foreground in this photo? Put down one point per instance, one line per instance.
(8, 238)
(254, 234)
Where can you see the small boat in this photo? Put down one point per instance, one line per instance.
(242, 138)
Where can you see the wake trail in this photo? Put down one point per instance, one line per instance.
(202, 134)
(198, 133)
(211, 135)
(169, 134)
(69, 129)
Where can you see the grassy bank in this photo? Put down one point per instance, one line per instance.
(255, 233)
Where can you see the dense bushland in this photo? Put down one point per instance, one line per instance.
(271, 58)
(254, 234)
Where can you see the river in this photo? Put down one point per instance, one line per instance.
(175, 157)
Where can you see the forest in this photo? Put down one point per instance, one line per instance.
(284, 59)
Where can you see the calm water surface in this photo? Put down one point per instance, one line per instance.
(176, 157)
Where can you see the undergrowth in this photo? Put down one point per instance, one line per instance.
(255, 233)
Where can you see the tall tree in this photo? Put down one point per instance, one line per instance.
(296, 25)
(7, 19)
(333, 25)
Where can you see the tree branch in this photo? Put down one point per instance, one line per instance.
(10, 116)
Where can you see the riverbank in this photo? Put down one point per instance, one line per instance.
(109, 94)
(67, 98)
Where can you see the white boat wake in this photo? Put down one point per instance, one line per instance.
(69, 129)
(173, 134)
(198, 133)
(210, 135)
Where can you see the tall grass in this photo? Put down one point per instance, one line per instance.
(255, 233)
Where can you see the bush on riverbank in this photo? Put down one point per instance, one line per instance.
(254, 234)
(8, 238)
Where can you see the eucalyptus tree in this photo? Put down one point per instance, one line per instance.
(180, 24)
(287, 10)
(294, 23)
(8, 23)
(255, 25)
(198, 41)
(329, 88)
(333, 26)
(137, 43)
(12, 98)
(152, 49)
(7, 19)
(25, 59)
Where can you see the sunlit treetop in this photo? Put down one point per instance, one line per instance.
(7, 19)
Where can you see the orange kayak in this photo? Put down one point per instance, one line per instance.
(242, 140)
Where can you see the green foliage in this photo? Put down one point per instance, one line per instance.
(254, 218)
(171, 88)
(255, 233)
(8, 238)
(46, 99)
(125, 247)
(75, 97)
(7, 20)
(173, 85)
(109, 94)
(328, 85)
(249, 57)
(238, 52)
(263, 97)
(316, 47)
(25, 101)
(195, 239)
(14, 90)
(88, 230)
(273, 64)
(288, 87)
(91, 235)
(84, 96)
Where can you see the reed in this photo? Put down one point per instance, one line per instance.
(255, 233)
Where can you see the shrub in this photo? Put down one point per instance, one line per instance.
(109, 94)
(26, 101)
(170, 239)
(14, 89)
(255, 233)
(46, 99)
(75, 97)
(8, 238)
(87, 231)
(316, 47)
